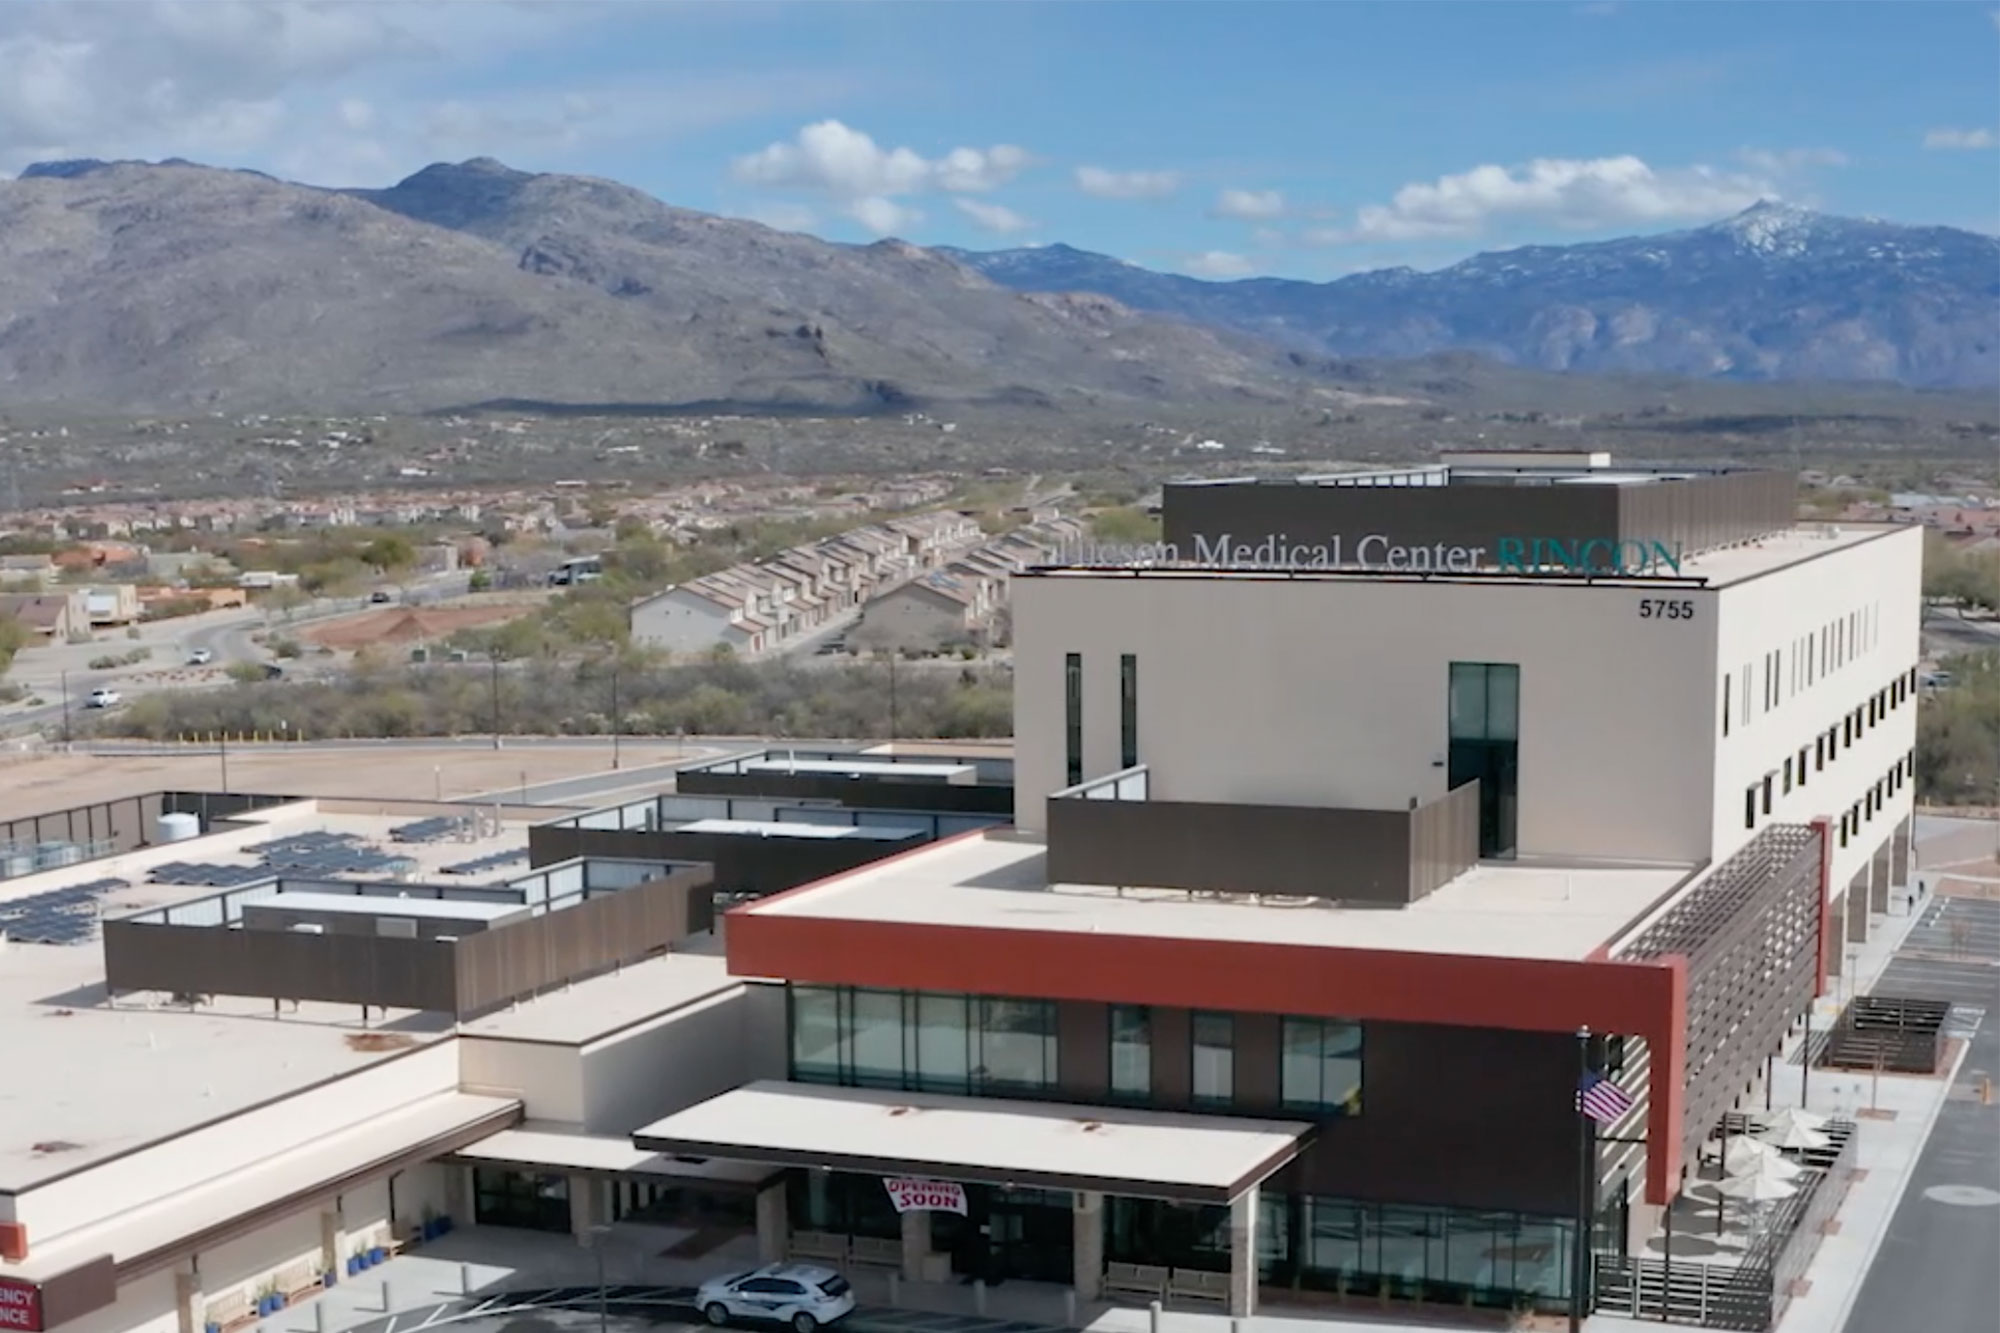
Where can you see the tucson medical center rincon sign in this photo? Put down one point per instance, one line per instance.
(1589, 556)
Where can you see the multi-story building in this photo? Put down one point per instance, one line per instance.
(1351, 823)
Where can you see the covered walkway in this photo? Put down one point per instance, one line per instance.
(1035, 1178)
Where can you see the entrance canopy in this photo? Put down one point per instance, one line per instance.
(1040, 1145)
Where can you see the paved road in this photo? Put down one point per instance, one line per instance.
(593, 788)
(629, 1309)
(1938, 1270)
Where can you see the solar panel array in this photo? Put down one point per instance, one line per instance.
(428, 830)
(328, 854)
(485, 863)
(59, 916)
(192, 873)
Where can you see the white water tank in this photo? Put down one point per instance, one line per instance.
(177, 827)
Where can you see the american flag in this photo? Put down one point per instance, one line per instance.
(1601, 1099)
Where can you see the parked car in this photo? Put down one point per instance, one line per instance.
(200, 657)
(102, 698)
(801, 1295)
(379, 596)
(272, 671)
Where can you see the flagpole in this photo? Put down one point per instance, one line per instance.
(1586, 1171)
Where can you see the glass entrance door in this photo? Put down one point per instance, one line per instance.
(1033, 1232)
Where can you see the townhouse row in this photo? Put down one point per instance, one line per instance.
(958, 604)
(762, 606)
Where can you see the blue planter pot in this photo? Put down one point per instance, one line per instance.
(329, 1278)
(377, 1255)
(443, 1225)
(353, 1265)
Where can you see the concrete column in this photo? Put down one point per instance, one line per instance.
(1836, 935)
(1899, 853)
(1878, 870)
(1087, 1243)
(1857, 907)
(586, 1208)
(916, 1244)
(458, 1195)
(333, 1240)
(190, 1302)
(774, 1224)
(1243, 1255)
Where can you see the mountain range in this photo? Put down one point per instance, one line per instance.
(173, 286)
(1776, 292)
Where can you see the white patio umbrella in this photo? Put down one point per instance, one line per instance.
(1790, 1134)
(1758, 1186)
(1790, 1117)
(1747, 1155)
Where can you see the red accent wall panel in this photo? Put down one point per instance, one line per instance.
(1540, 995)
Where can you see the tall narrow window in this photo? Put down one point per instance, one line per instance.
(1128, 710)
(1073, 717)
(1319, 1068)
(1727, 682)
(1484, 703)
(1214, 1073)
(1131, 1052)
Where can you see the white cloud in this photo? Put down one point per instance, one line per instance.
(1106, 184)
(1250, 205)
(1960, 139)
(835, 159)
(1579, 194)
(993, 217)
(883, 216)
(1781, 161)
(1219, 264)
(340, 93)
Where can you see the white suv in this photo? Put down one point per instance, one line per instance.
(102, 698)
(803, 1296)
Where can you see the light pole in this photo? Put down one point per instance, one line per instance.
(493, 656)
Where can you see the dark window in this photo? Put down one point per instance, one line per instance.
(1073, 717)
(921, 1042)
(1320, 1069)
(1727, 681)
(534, 1201)
(1131, 1052)
(1128, 710)
(1802, 765)
(1484, 704)
(1750, 807)
(1788, 775)
(1767, 793)
(1214, 1072)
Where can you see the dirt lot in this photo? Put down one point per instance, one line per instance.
(32, 784)
(406, 625)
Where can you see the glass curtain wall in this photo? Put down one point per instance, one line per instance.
(922, 1042)
(1492, 1260)
(1131, 1053)
(1485, 729)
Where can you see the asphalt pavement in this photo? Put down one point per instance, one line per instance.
(1938, 1270)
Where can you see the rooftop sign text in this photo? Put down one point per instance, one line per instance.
(1377, 551)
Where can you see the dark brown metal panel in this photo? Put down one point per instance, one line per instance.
(871, 793)
(1458, 515)
(335, 969)
(1467, 1117)
(78, 1291)
(1173, 1059)
(1083, 1050)
(1258, 1052)
(1305, 851)
(1444, 839)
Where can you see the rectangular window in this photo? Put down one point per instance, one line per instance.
(1788, 775)
(1483, 724)
(944, 1055)
(1767, 793)
(1073, 717)
(1320, 1068)
(1214, 1073)
(818, 1051)
(1131, 1052)
(1128, 710)
(1727, 681)
(1819, 752)
(1750, 807)
(1017, 1045)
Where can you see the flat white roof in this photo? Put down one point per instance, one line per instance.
(559, 1147)
(130, 1234)
(586, 1011)
(872, 768)
(377, 904)
(1156, 1154)
(998, 880)
(776, 828)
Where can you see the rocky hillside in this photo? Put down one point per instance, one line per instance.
(130, 286)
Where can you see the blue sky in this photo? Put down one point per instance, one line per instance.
(1303, 139)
